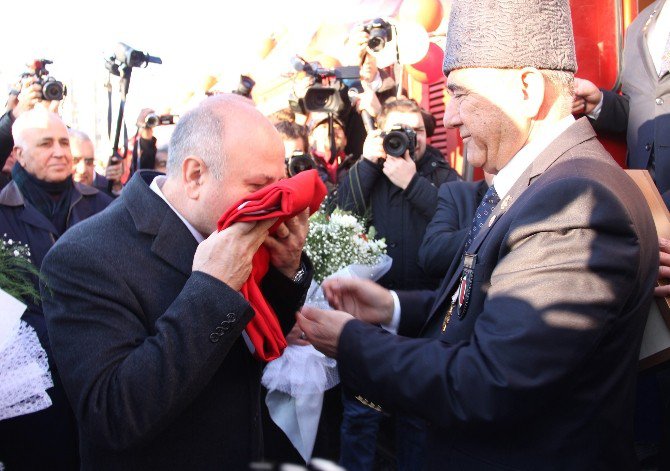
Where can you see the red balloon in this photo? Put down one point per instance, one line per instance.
(428, 69)
(428, 13)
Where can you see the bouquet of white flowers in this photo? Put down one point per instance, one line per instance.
(338, 246)
(24, 369)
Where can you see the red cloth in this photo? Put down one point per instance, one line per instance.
(284, 200)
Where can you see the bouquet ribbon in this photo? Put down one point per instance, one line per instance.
(283, 200)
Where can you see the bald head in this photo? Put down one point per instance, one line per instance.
(42, 145)
(220, 152)
(206, 130)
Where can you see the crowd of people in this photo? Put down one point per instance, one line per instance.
(505, 335)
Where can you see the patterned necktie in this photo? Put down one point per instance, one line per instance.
(665, 59)
(489, 202)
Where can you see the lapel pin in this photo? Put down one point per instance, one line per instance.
(505, 202)
(492, 220)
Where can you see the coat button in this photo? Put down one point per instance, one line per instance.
(434, 164)
(213, 337)
(647, 147)
(659, 101)
(392, 245)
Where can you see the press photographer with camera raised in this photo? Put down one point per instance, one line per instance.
(33, 89)
(395, 185)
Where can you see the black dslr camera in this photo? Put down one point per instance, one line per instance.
(52, 89)
(299, 162)
(245, 86)
(380, 32)
(398, 140)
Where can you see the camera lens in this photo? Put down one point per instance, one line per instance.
(325, 99)
(376, 44)
(151, 120)
(300, 162)
(395, 143)
(52, 90)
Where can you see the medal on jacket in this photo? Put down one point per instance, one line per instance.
(466, 284)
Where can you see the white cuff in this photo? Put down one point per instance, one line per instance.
(596, 111)
(392, 327)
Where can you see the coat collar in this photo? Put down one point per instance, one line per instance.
(11, 195)
(151, 215)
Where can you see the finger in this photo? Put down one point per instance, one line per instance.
(663, 272)
(662, 291)
(664, 259)
(664, 244)
(282, 231)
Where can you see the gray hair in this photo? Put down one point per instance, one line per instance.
(199, 132)
(79, 135)
(563, 84)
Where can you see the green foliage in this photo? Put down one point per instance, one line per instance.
(17, 271)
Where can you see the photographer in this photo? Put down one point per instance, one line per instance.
(399, 196)
(29, 95)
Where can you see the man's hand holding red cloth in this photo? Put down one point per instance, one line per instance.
(286, 244)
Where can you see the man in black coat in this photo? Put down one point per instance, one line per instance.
(398, 194)
(529, 349)
(36, 208)
(149, 336)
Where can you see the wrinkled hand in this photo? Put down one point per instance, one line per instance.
(373, 150)
(295, 336)
(363, 299)
(29, 96)
(400, 170)
(587, 96)
(323, 328)
(227, 255)
(285, 246)
(664, 269)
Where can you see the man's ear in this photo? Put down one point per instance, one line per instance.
(532, 86)
(18, 154)
(193, 170)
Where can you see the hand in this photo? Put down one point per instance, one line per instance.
(227, 255)
(114, 171)
(145, 131)
(323, 328)
(369, 69)
(29, 96)
(359, 40)
(663, 290)
(587, 97)
(368, 101)
(373, 150)
(400, 170)
(296, 336)
(363, 299)
(285, 245)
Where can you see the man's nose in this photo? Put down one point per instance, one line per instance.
(61, 150)
(452, 118)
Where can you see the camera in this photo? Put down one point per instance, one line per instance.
(153, 120)
(398, 140)
(52, 89)
(324, 98)
(132, 57)
(245, 86)
(299, 162)
(380, 32)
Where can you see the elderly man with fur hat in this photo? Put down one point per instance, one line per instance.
(525, 357)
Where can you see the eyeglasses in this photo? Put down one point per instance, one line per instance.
(87, 160)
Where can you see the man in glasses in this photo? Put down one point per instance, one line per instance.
(83, 164)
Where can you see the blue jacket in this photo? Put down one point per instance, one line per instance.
(456, 206)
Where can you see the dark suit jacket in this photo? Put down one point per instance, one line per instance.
(539, 373)
(456, 206)
(642, 112)
(151, 354)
